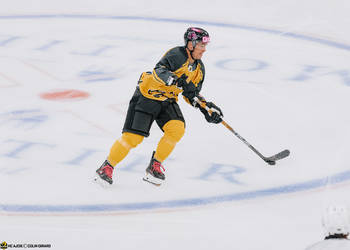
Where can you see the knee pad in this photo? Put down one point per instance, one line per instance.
(130, 140)
(174, 129)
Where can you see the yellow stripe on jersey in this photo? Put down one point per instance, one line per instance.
(153, 88)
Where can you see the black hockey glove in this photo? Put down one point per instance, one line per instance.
(189, 89)
(215, 116)
(181, 81)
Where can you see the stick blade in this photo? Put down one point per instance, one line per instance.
(272, 159)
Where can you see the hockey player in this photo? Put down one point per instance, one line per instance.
(336, 222)
(180, 70)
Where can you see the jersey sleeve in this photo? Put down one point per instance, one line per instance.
(168, 64)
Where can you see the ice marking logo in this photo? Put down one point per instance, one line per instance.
(65, 95)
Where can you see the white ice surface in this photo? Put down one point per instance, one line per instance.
(279, 71)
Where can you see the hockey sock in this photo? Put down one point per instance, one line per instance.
(173, 132)
(122, 146)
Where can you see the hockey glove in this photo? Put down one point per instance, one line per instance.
(189, 90)
(181, 81)
(174, 80)
(216, 114)
(190, 94)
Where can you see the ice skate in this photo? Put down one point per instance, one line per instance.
(154, 172)
(104, 174)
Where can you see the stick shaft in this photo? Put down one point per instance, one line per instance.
(243, 140)
(202, 104)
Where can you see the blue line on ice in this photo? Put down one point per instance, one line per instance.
(170, 20)
(181, 203)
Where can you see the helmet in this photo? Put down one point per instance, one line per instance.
(195, 35)
(336, 220)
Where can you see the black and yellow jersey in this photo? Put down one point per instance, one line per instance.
(172, 65)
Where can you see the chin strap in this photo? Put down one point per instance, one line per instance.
(194, 43)
(191, 51)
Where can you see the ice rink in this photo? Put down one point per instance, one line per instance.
(280, 72)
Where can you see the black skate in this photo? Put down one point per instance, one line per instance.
(104, 174)
(154, 172)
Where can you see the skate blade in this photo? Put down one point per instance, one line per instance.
(101, 182)
(153, 180)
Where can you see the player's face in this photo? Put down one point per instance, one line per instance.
(199, 50)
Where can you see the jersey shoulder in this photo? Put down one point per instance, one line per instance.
(178, 51)
(174, 58)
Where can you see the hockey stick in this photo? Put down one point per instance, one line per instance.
(270, 160)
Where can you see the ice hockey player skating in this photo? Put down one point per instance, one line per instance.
(180, 70)
(336, 222)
